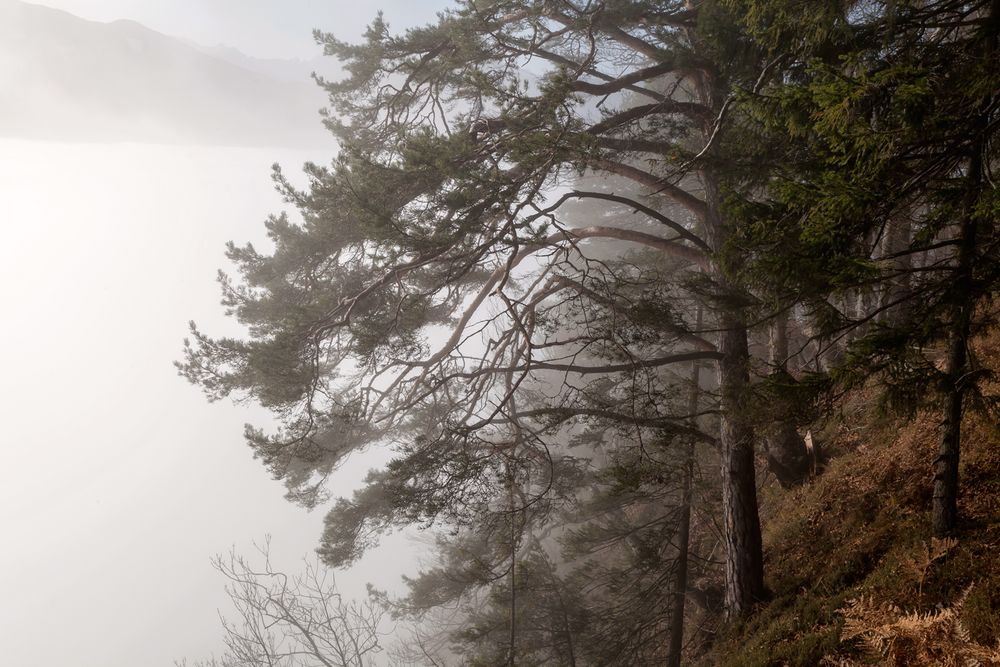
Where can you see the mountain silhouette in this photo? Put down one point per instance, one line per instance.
(69, 79)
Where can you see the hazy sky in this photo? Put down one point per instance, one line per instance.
(119, 481)
(263, 28)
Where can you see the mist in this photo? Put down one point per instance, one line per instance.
(128, 158)
(120, 482)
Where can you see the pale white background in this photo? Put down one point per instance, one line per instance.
(118, 481)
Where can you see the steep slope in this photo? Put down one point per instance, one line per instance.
(854, 574)
(64, 78)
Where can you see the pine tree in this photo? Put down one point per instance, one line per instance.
(443, 212)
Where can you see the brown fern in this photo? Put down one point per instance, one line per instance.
(900, 639)
(919, 565)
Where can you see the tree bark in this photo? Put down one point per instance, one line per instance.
(744, 555)
(512, 618)
(944, 505)
(778, 343)
(676, 631)
(787, 457)
(744, 570)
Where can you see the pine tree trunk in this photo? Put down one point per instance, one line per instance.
(944, 506)
(744, 570)
(676, 631)
(833, 348)
(512, 638)
(787, 457)
(744, 556)
(676, 637)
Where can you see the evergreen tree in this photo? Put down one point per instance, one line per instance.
(443, 212)
(881, 211)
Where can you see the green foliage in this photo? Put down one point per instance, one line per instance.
(438, 295)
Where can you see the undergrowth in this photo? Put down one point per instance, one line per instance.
(853, 573)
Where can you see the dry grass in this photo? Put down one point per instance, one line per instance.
(861, 532)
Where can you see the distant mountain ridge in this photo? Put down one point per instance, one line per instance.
(70, 79)
(294, 70)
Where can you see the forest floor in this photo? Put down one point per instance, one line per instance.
(853, 573)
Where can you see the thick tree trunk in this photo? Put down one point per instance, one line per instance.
(744, 570)
(862, 302)
(744, 556)
(833, 348)
(944, 506)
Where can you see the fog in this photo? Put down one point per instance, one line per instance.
(68, 79)
(119, 480)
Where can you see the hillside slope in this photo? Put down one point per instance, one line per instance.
(854, 574)
(65, 78)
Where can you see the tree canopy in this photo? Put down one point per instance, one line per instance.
(545, 223)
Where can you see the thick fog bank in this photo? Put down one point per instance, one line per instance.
(120, 480)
